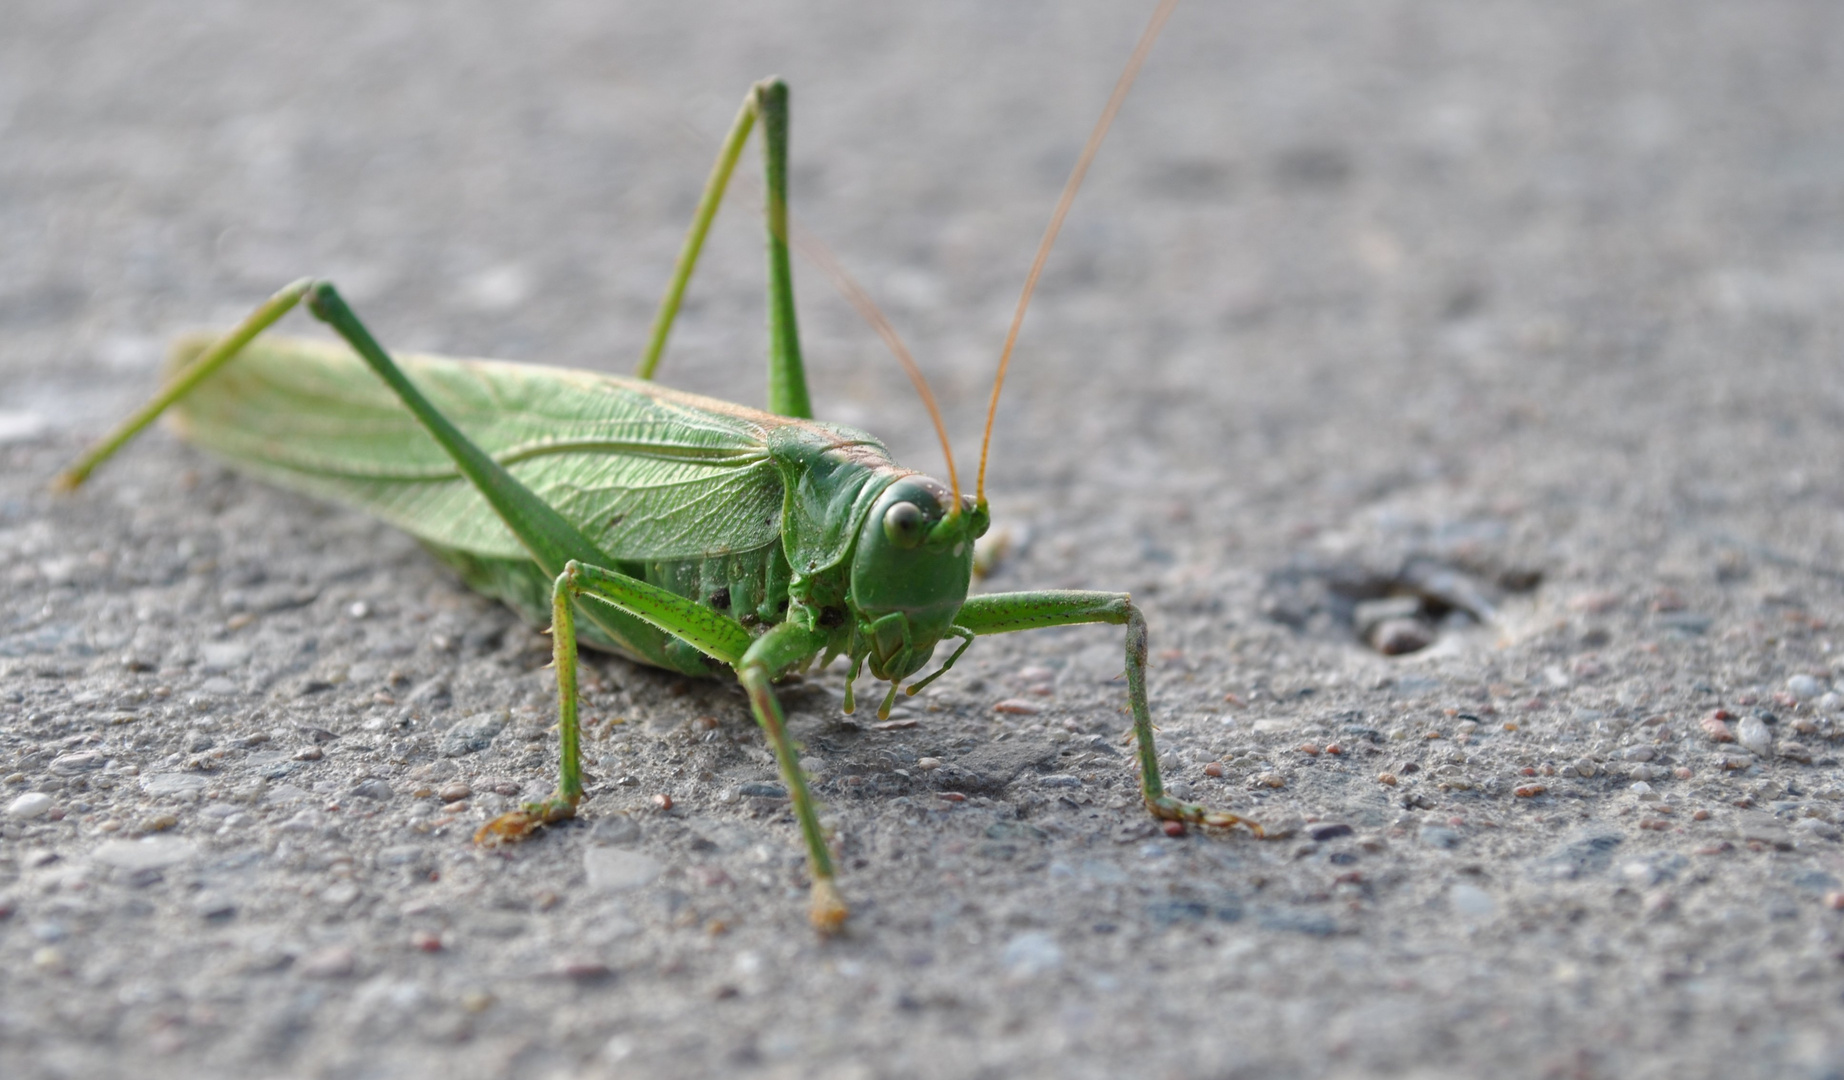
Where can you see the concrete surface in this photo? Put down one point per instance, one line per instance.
(1532, 307)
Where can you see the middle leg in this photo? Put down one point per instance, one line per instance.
(705, 630)
(756, 661)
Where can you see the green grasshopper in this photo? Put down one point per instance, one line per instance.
(678, 531)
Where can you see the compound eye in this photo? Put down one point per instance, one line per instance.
(904, 524)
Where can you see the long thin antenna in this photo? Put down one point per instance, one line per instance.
(821, 256)
(1070, 187)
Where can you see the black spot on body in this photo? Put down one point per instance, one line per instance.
(831, 617)
(721, 599)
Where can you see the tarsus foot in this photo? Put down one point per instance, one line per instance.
(520, 823)
(1167, 808)
(827, 908)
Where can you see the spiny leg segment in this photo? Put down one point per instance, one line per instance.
(1003, 613)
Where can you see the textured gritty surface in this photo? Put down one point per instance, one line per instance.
(1538, 288)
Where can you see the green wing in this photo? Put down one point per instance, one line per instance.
(646, 472)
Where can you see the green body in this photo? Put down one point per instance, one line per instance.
(753, 515)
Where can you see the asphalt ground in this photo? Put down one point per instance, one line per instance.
(1526, 315)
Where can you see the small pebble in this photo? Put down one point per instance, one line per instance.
(1015, 706)
(1529, 791)
(1717, 730)
(1804, 687)
(1309, 749)
(159, 823)
(454, 792)
(30, 805)
(928, 764)
(214, 907)
(1753, 734)
(1030, 954)
(1281, 824)
(1595, 603)
(48, 959)
(1173, 828)
(1269, 779)
(1796, 752)
(373, 789)
(1818, 827)
(662, 801)
(1215, 768)
(332, 963)
(425, 941)
(309, 753)
(1681, 772)
(1835, 900)
(1387, 779)
(1699, 815)
(1394, 637)
(1334, 748)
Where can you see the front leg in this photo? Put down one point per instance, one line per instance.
(1002, 613)
(783, 647)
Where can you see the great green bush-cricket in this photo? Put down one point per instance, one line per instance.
(678, 531)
